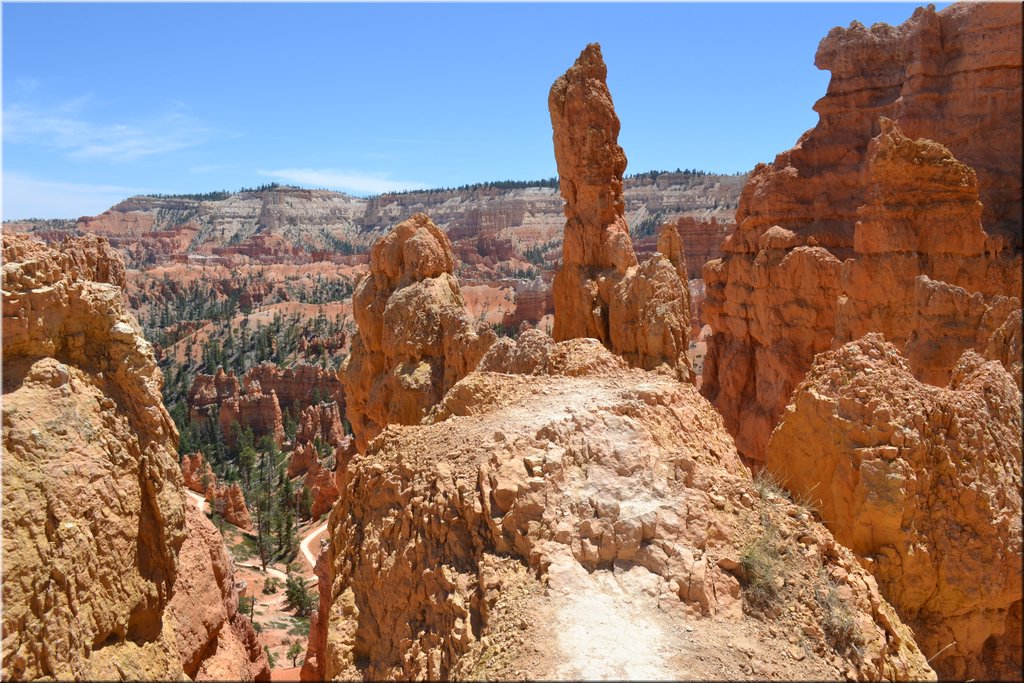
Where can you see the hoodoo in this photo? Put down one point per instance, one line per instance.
(641, 312)
(414, 340)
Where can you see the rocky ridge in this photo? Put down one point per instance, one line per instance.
(105, 561)
(610, 477)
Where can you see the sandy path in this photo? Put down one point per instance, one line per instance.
(200, 501)
(308, 540)
(270, 570)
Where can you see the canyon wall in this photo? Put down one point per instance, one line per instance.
(900, 204)
(109, 570)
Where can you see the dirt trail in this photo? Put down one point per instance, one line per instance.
(200, 501)
(307, 541)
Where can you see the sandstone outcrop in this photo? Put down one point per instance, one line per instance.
(101, 559)
(769, 317)
(920, 212)
(596, 249)
(922, 217)
(215, 641)
(414, 340)
(197, 473)
(923, 483)
(322, 485)
(1006, 346)
(526, 507)
(948, 320)
(254, 409)
(639, 311)
(321, 420)
(211, 390)
(296, 385)
(228, 501)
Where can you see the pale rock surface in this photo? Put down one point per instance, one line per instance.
(617, 490)
(923, 483)
(414, 340)
(100, 559)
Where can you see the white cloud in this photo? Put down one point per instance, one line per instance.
(347, 181)
(27, 197)
(63, 128)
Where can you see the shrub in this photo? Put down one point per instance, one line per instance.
(300, 596)
(762, 570)
(837, 621)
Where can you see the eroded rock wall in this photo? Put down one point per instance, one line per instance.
(100, 555)
(951, 81)
(923, 483)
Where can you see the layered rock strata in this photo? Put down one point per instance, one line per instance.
(922, 217)
(855, 186)
(595, 481)
(414, 339)
(103, 562)
(923, 483)
(600, 291)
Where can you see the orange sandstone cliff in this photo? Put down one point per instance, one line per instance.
(109, 570)
(951, 83)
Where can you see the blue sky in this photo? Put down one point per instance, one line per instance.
(102, 101)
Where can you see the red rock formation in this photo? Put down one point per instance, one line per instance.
(922, 217)
(256, 410)
(927, 75)
(924, 484)
(300, 385)
(104, 560)
(301, 459)
(321, 483)
(211, 390)
(596, 249)
(1005, 345)
(769, 317)
(414, 340)
(640, 312)
(533, 302)
(947, 321)
(215, 641)
(229, 502)
(196, 473)
(321, 420)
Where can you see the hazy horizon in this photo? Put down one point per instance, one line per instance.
(371, 98)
